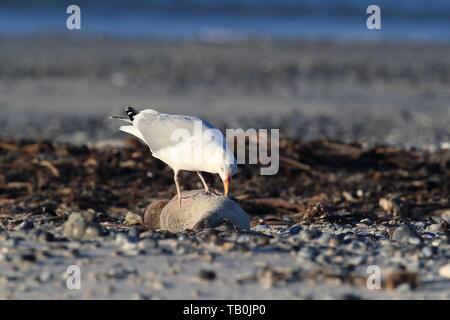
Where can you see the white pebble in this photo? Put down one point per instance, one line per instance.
(444, 271)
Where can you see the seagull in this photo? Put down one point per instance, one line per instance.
(183, 143)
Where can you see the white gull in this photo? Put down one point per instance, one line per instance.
(183, 143)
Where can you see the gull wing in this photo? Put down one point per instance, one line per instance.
(161, 130)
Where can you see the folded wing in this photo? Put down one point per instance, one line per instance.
(161, 130)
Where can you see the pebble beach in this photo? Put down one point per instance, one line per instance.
(363, 180)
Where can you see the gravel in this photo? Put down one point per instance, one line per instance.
(235, 263)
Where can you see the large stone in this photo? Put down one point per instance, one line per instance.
(198, 210)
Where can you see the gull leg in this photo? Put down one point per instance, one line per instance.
(203, 181)
(175, 178)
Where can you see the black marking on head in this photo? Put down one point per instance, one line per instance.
(131, 112)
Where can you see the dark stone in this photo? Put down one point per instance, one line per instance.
(295, 230)
(30, 257)
(45, 236)
(207, 275)
(26, 225)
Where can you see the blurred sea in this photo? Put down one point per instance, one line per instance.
(421, 20)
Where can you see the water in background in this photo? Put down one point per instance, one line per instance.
(216, 19)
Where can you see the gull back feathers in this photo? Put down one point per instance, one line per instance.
(166, 137)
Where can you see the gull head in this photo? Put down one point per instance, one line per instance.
(226, 171)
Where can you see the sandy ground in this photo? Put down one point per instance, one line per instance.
(62, 89)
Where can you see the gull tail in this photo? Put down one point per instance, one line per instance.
(133, 131)
(131, 112)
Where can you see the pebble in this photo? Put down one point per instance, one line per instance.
(29, 257)
(26, 225)
(404, 287)
(133, 234)
(44, 236)
(351, 296)
(444, 271)
(126, 243)
(132, 219)
(356, 246)
(207, 275)
(243, 238)
(4, 257)
(44, 276)
(295, 229)
(82, 226)
(140, 296)
(406, 234)
(324, 238)
(310, 234)
(334, 241)
(309, 253)
(356, 260)
(438, 228)
(349, 237)
(287, 219)
(262, 228)
(367, 221)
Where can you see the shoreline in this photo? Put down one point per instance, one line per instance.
(308, 89)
